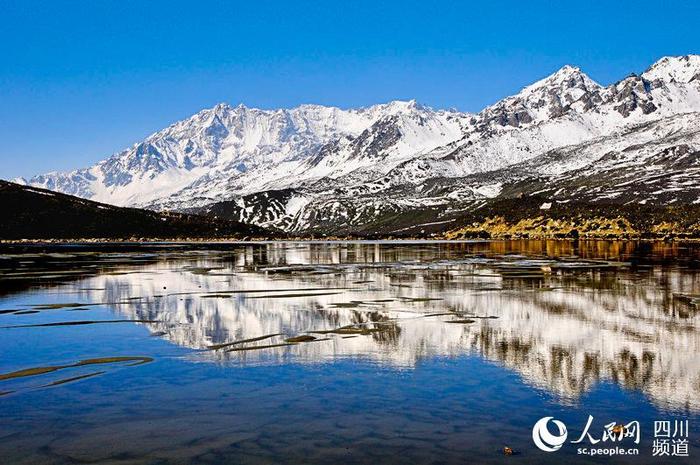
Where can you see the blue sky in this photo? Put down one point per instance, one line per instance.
(81, 80)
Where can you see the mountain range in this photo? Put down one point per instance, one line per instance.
(314, 168)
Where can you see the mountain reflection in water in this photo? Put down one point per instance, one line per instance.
(564, 315)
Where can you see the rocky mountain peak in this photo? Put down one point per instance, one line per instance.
(410, 105)
(559, 93)
(567, 77)
(678, 69)
(222, 107)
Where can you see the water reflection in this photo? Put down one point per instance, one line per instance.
(566, 316)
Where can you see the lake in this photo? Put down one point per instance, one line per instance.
(349, 352)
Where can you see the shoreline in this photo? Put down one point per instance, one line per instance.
(399, 240)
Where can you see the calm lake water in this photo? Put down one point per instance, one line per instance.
(345, 353)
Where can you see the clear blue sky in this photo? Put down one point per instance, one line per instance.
(80, 80)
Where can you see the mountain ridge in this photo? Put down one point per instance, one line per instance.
(30, 213)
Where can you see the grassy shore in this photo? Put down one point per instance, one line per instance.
(526, 218)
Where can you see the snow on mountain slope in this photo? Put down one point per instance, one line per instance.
(566, 108)
(394, 132)
(557, 136)
(405, 134)
(681, 69)
(314, 164)
(223, 138)
(224, 151)
(656, 162)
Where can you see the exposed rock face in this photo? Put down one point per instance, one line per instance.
(630, 94)
(567, 90)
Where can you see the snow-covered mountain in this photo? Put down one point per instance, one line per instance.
(228, 150)
(313, 166)
(564, 109)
